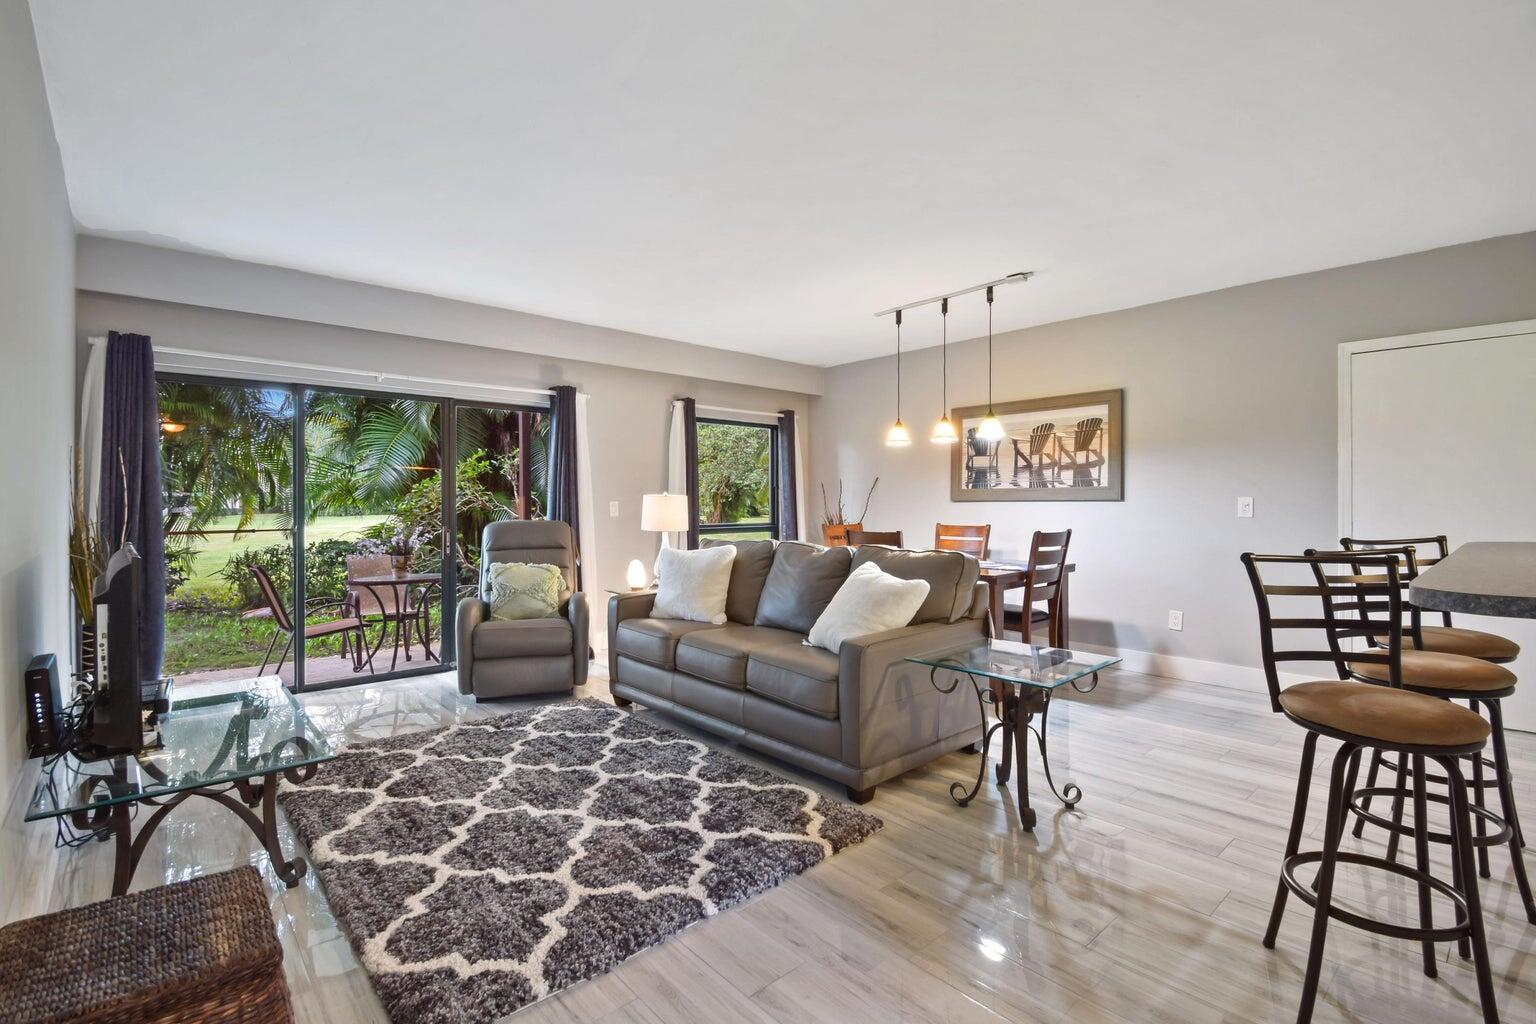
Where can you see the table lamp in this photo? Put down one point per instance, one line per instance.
(664, 514)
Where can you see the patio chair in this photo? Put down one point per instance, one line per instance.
(1033, 454)
(1086, 456)
(349, 625)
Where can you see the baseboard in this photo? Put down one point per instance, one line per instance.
(1193, 670)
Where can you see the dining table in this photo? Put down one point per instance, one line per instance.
(398, 585)
(1001, 577)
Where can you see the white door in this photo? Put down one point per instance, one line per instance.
(1442, 440)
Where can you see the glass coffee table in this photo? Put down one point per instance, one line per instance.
(1015, 682)
(227, 744)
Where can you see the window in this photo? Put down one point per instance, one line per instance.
(737, 480)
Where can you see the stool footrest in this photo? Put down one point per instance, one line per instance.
(1505, 832)
(1303, 892)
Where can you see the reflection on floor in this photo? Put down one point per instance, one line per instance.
(1144, 905)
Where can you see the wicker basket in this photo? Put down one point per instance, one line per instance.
(203, 950)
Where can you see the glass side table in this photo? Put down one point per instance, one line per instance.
(1016, 682)
(227, 744)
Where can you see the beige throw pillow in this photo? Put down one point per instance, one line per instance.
(521, 590)
(870, 600)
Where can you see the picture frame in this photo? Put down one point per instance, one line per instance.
(1058, 448)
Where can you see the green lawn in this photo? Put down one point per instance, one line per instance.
(214, 550)
(202, 640)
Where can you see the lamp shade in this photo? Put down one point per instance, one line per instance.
(664, 513)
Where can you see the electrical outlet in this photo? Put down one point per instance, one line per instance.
(1175, 619)
(1245, 508)
(613, 509)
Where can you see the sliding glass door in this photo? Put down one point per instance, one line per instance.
(226, 466)
(324, 535)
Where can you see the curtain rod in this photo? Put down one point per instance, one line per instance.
(1023, 275)
(376, 375)
(736, 412)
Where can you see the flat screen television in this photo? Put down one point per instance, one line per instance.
(115, 721)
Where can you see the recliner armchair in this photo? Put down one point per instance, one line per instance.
(500, 658)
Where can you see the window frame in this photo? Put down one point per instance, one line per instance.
(772, 526)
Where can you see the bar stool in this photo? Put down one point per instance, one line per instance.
(1483, 684)
(1412, 726)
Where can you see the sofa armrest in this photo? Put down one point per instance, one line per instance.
(636, 605)
(869, 675)
(472, 612)
(581, 636)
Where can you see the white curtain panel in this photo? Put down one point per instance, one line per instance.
(677, 467)
(88, 442)
(587, 538)
(806, 532)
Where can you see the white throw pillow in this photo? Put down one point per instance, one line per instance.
(692, 584)
(870, 600)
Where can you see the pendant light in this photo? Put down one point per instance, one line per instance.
(944, 430)
(991, 428)
(897, 436)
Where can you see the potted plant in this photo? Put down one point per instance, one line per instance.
(89, 550)
(401, 546)
(834, 521)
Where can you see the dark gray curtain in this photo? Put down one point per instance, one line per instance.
(789, 519)
(561, 502)
(130, 481)
(691, 457)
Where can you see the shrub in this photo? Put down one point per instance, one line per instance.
(325, 565)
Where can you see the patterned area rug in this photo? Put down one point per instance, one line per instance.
(483, 866)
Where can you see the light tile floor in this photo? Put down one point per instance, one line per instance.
(1146, 904)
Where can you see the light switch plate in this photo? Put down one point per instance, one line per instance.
(1175, 620)
(1245, 508)
(613, 508)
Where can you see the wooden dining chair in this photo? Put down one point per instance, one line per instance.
(1047, 563)
(888, 537)
(973, 540)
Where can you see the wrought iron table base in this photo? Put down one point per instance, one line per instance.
(1016, 710)
(239, 796)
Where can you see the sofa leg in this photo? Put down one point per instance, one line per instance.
(860, 796)
(623, 702)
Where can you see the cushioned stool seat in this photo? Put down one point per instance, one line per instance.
(1473, 643)
(1432, 670)
(1384, 715)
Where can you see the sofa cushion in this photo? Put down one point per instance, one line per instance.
(720, 655)
(951, 577)
(797, 676)
(748, 574)
(801, 584)
(521, 638)
(521, 590)
(693, 585)
(654, 641)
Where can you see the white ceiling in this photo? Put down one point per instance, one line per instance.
(764, 176)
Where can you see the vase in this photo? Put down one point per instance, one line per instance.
(401, 564)
(835, 535)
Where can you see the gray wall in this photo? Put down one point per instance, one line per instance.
(628, 411)
(37, 258)
(199, 279)
(1227, 394)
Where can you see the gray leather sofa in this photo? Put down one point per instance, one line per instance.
(512, 658)
(861, 716)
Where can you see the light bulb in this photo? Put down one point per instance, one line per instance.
(897, 436)
(944, 432)
(635, 577)
(991, 429)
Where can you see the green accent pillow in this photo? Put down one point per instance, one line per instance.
(521, 590)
